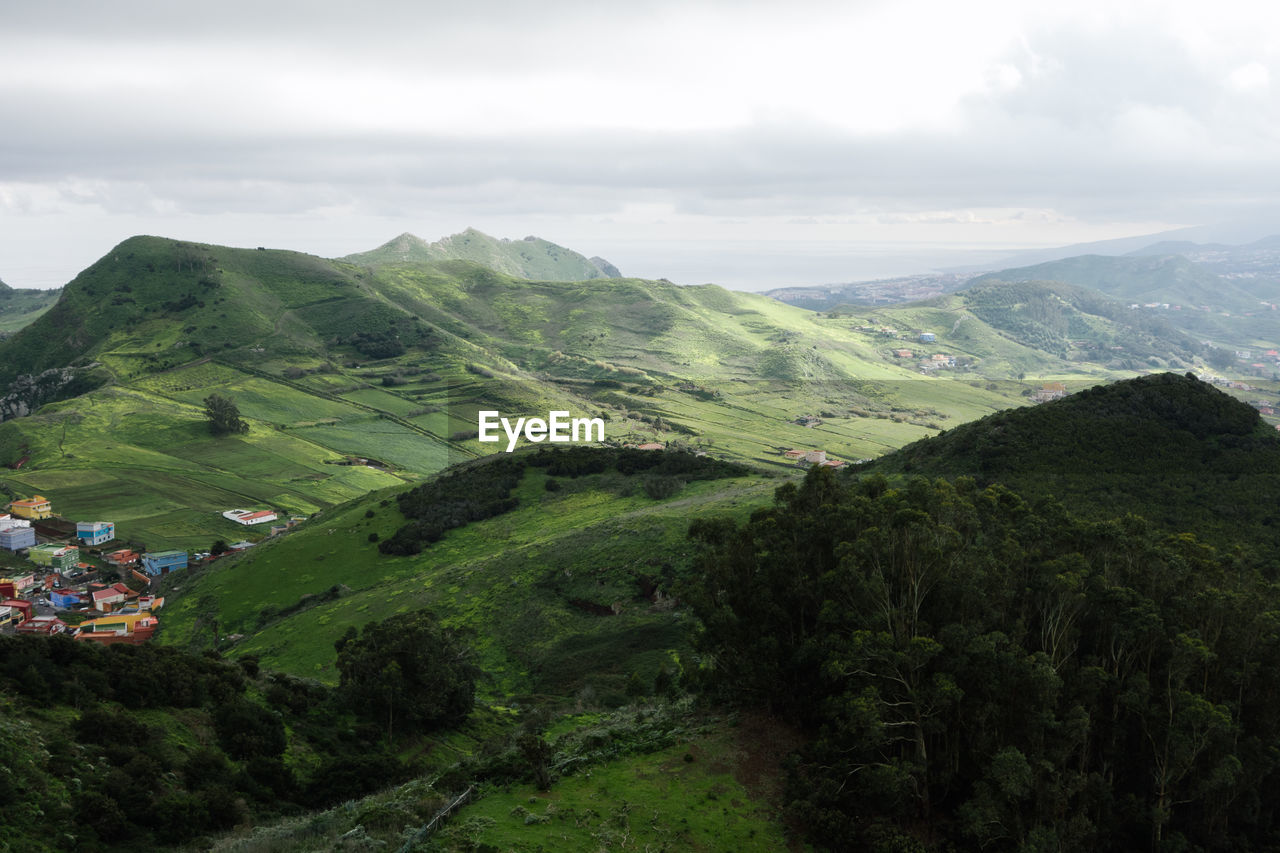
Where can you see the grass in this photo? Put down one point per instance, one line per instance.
(511, 582)
(686, 797)
(699, 791)
(19, 308)
(149, 464)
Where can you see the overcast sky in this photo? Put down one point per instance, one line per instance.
(751, 144)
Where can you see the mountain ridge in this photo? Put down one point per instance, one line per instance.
(530, 258)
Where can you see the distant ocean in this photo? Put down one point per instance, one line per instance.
(756, 265)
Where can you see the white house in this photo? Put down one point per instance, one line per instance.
(249, 517)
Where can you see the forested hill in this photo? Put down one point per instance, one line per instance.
(1166, 278)
(977, 673)
(1170, 448)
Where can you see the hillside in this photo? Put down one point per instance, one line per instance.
(571, 588)
(1254, 267)
(532, 257)
(1171, 448)
(596, 587)
(19, 308)
(1045, 329)
(1141, 279)
(331, 362)
(983, 671)
(1186, 295)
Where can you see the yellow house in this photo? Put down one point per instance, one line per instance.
(126, 622)
(36, 507)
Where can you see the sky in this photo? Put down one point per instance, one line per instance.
(753, 144)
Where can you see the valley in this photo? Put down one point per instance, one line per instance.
(622, 660)
(328, 360)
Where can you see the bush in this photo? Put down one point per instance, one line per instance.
(660, 488)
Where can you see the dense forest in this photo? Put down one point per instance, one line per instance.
(1171, 448)
(147, 746)
(979, 673)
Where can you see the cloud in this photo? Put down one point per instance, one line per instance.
(995, 118)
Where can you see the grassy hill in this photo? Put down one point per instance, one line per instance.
(1042, 329)
(330, 361)
(559, 592)
(567, 595)
(532, 257)
(18, 308)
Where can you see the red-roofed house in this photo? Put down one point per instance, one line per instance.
(123, 557)
(45, 625)
(20, 606)
(109, 598)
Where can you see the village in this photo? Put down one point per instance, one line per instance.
(925, 362)
(74, 578)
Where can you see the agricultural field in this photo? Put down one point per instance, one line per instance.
(149, 464)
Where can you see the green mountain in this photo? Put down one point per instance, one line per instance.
(531, 258)
(586, 586)
(1254, 267)
(579, 540)
(331, 362)
(1033, 328)
(1142, 279)
(1179, 451)
(1185, 295)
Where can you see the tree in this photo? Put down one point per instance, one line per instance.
(408, 667)
(246, 730)
(223, 416)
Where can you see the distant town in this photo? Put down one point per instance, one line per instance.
(84, 582)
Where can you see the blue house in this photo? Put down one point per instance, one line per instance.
(928, 337)
(163, 562)
(64, 598)
(95, 532)
(14, 538)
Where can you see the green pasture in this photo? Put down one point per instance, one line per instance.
(688, 796)
(511, 581)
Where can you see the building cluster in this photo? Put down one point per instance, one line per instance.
(65, 581)
(62, 580)
(926, 362)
